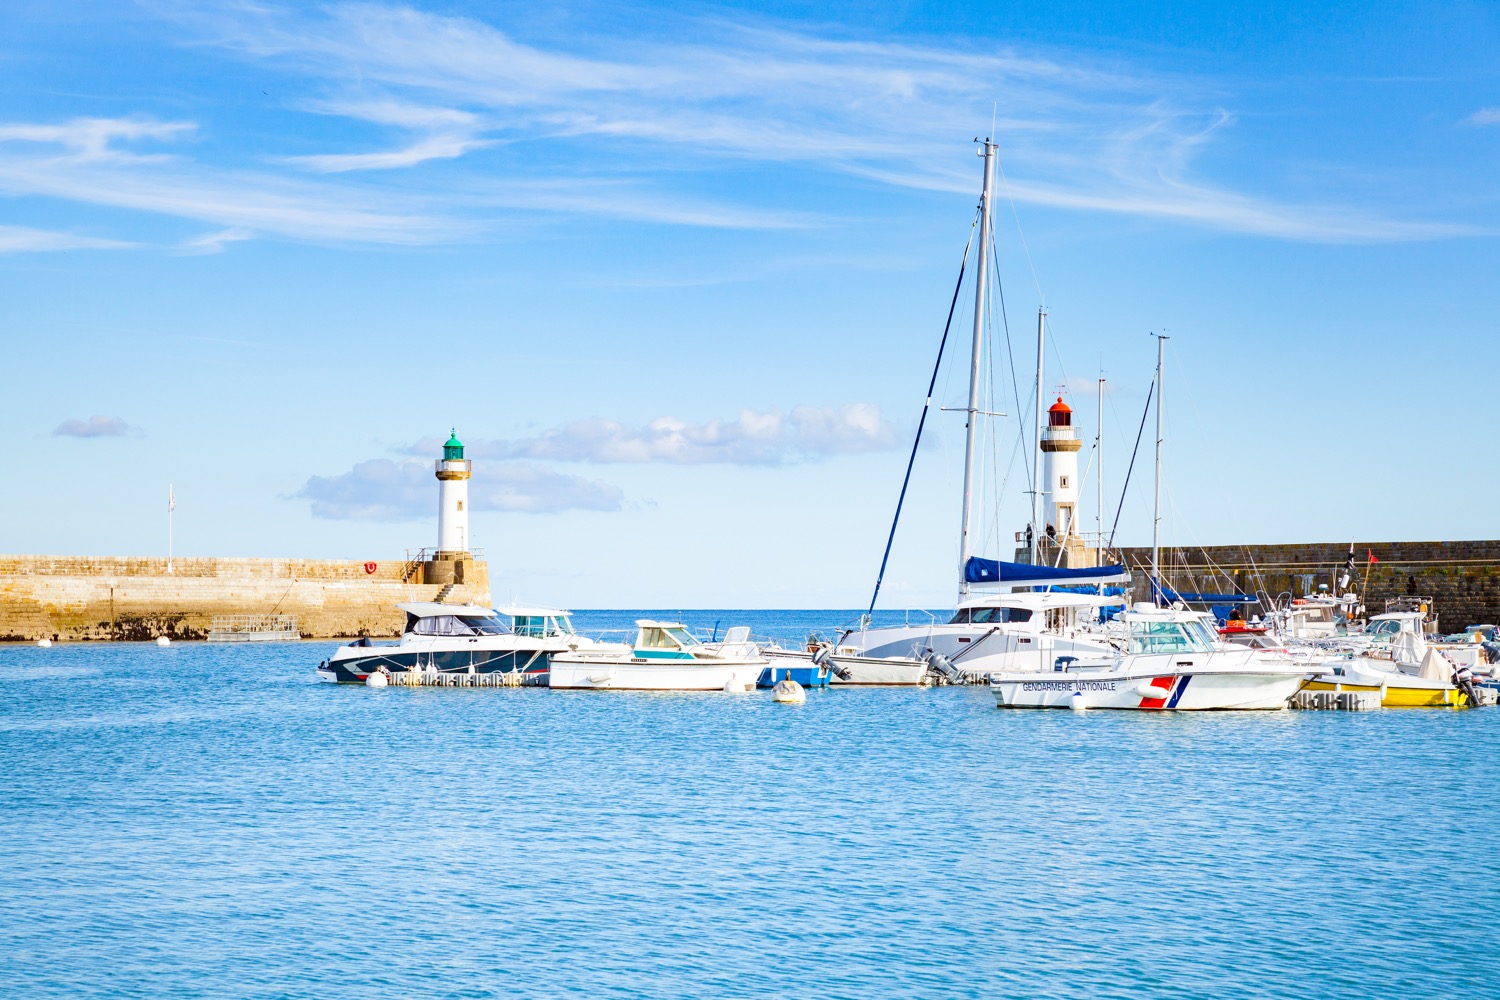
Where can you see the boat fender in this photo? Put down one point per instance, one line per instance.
(1075, 701)
(44, 642)
(1150, 690)
(376, 679)
(788, 692)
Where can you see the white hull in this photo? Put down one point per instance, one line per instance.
(1139, 687)
(852, 671)
(975, 649)
(652, 675)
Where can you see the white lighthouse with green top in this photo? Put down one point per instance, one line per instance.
(453, 471)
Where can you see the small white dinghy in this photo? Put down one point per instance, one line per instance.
(665, 657)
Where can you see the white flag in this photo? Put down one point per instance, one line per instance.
(171, 501)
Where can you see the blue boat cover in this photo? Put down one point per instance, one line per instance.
(1190, 598)
(978, 570)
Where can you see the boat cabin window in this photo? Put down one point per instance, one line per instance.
(436, 625)
(990, 616)
(667, 638)
(1163, 637)
(1388, 627)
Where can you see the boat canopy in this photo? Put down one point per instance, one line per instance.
(430, 609)
(978, 570)
(1040, 601)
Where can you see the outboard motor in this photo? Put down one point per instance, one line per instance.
(1491, 650)
(1463, 679)
(824, 655)
(940, 664)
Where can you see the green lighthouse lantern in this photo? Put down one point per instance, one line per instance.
(453, 449)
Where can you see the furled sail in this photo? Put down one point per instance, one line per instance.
(978, 570)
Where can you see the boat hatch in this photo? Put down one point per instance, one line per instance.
(542, 626)
(453, 625)
(990, 616)
(1168, 637)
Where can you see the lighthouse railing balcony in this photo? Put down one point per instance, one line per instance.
(416, 557)
(1060, 432)
(464, 463)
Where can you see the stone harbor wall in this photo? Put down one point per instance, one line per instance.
(1463, 578)
(123, 598)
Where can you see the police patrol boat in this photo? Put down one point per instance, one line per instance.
(1171, 660)
(463, 638)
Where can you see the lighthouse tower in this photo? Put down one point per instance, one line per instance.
(1060, 447)
(453, 471)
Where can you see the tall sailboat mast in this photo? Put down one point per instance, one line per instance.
(1036, 433)
(1099, 454)
(971, 429)
(1156, 591)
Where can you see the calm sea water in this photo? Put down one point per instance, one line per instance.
(210, 821)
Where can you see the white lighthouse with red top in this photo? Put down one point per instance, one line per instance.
(1060, 446)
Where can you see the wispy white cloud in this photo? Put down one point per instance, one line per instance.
(94, 427)
(215, 242)
(1485, 116)
(753, 438)
(611, 125)
(386, 490)
(1075, 135)
(21, 239)
(88, 169)
(94, 139)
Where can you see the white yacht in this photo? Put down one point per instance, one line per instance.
(1001, 631)
(988, 633)
(665, 657)
(463, 638)
(1173, 661)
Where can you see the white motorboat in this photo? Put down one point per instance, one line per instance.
(1173, 661)
(665, 657)
(988, 633)
(463, 638)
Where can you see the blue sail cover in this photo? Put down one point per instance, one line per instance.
(978, 570)
(1167, 593)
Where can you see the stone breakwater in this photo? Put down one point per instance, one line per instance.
(1463, 578)
(124, 598)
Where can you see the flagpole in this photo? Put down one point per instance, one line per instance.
(171, 506)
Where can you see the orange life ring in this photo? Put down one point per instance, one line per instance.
(370, 567)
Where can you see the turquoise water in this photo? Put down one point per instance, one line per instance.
(210, 821)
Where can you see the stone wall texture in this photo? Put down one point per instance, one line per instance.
(113, 597)
(1463, 578)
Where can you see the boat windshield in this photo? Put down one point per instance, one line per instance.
(683, 637)
(561, 625)
(990, 616)
(484, 626)
(1388, 627)
(1199, 629)
(1164, 637)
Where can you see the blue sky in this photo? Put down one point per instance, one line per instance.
(677, 274)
